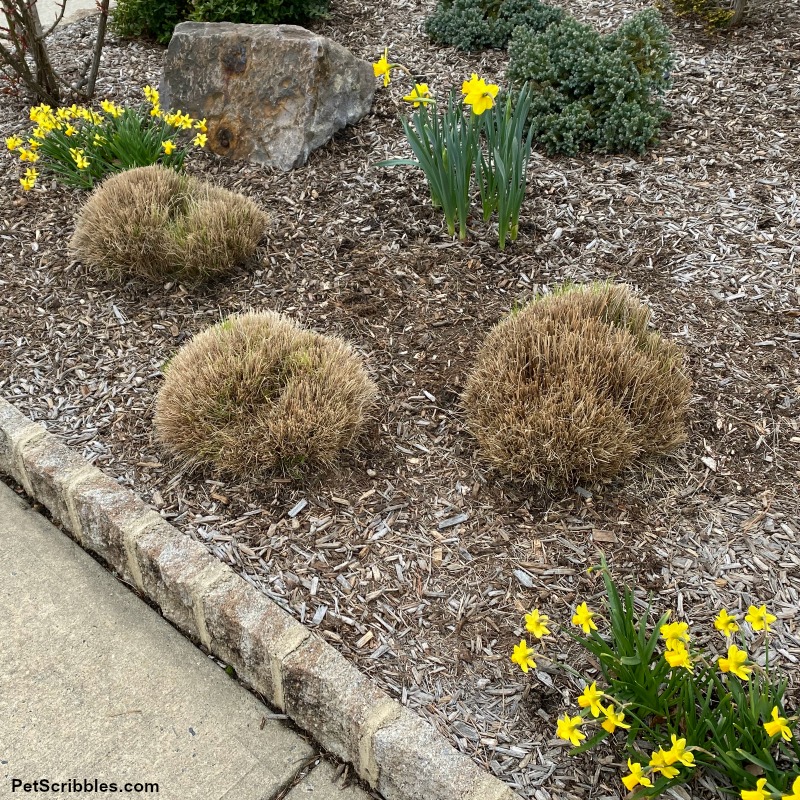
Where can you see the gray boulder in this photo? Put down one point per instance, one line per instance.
(269, 93)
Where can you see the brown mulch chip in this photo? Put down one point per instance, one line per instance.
(412, 558)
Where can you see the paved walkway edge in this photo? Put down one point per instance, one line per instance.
(391, 748)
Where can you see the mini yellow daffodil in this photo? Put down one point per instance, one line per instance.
(418, 94)
(383, 67)
(111, 108)
(675, 635)
(26, 183)
(569, 729)
(200, 140)
(536, 623)
(70, 130)
(679, 753)
(726, 623)
(63, 114)
(201, 126)
(613, 719)
(662, 761)
(168, 146)
(151, 95)
(636, 777)
(34, 144)
(590, 698)
(778, 725)
(156, 111)
(759, 793)
(523, 656)
(13, 142)
(478, 94)
(795, 795)
(28, 155)
(759, 618)
(679, 657)
(584, 618)
(81, 162)
(735, 663)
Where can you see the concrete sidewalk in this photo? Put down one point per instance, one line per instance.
(96, 686)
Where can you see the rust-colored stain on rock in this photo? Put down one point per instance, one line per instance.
(234, 59)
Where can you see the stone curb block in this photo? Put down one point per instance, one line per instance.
(391, 748)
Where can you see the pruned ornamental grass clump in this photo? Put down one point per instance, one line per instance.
(257, 393)
(157, 224)
(573, 388)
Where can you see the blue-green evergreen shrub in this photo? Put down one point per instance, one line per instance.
(592, 91)
(479, 24)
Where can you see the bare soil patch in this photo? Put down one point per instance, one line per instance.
(412, 558)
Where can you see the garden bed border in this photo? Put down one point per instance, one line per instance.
(392, 749)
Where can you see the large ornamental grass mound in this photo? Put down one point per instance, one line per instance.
(257, 393)
(574, 387)
(157, 224)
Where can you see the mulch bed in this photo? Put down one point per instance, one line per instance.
(412, 558)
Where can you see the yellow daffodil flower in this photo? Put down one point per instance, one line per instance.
(590, 698)
(111, 108)
(614, 719)
(81, 162)
(418, 94)
(38, 133)
(39, 112)
(759, 618)
(34, 144)
(27, 155)
(151, 95)
(523, 656)
(184, 121)
(200, 140)
(734, 663)
(13, 142)
(63, 114)
(536, 623)
(726, 623)
(174, 119)
(679, 657)
(168, 146)
(779, 725)
(569, 729)
(759, 793)
(636, 777)
(383, 67)
(662, 761)
(98, 140)
(795, 795)
(27, 184)
(679, 753)
(201, 126)
(583, 618)
(70, 130)
(478, 94)
(675, 635)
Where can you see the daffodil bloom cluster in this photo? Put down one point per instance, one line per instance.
(685, 707)
(478, 95)
(79, 145)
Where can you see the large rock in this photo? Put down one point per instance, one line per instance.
(269, 93)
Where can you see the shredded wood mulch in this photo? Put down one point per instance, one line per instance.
(412, 558)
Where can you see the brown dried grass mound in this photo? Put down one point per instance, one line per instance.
(573, 388)
(257, 393)
(157, 224)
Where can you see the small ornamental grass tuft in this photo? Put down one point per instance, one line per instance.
(79, 146)
(257, 393)
(574, 387)
(156, 224)
(679, 708)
